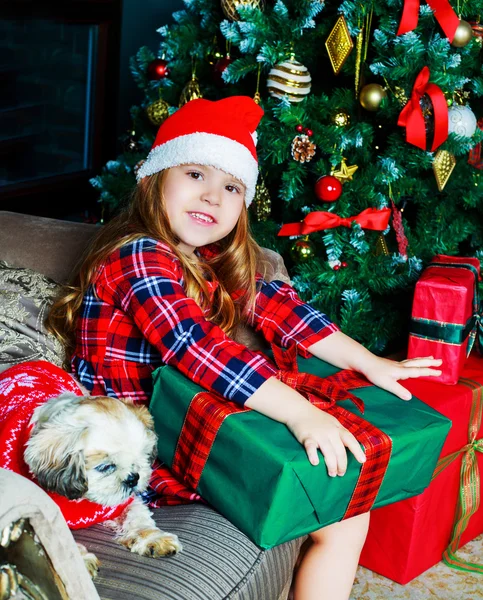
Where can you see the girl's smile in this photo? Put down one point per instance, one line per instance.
(203, 204)
(202, 218)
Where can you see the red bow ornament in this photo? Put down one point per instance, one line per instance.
(443, 13)
(371, 218)
(412, 116)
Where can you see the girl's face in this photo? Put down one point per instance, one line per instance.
(203, 204)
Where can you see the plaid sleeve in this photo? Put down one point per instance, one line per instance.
(283, 317)
(144, 279)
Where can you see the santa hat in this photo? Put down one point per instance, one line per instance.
(218, 134)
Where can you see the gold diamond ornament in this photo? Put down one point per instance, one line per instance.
(443, 164)
(339, 44)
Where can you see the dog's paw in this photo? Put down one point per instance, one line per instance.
(91, 561)
(153, 542)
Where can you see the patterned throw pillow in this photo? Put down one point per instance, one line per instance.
(25, 297)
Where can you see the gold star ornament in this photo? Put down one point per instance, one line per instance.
(345, 172)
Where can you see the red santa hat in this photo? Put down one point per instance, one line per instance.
(218, 134)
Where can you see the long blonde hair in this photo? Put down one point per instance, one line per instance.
(234, 267)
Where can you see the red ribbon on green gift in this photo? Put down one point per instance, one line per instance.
(443, 12)
(469, 495)
(412, 117)
(208, 411)
(371, 218)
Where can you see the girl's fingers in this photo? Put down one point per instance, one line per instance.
(398, 390)
(413, 372)
(340, 455)
(353, 445)
(422, 362)
(330, 457)
(311, 450)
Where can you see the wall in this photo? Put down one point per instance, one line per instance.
(140, 20)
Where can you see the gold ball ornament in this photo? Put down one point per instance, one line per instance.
(229, 7)
(341, 118)
(302, 251)
(463, 35)
(371, 96)
(158, 111)
(290, 79)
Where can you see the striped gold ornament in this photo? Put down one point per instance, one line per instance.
(229, 7)
(290, 79)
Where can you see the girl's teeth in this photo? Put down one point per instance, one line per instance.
(202, 217)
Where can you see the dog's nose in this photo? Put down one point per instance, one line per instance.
(132, 479)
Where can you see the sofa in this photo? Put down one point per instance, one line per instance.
(218, 561)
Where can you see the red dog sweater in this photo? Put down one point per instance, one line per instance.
(23, 387)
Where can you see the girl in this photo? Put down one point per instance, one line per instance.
(170, 278)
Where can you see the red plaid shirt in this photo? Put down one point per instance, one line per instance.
(137, 316)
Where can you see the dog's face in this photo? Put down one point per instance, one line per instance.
(96, 448)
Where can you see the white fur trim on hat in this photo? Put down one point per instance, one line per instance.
(205, 149)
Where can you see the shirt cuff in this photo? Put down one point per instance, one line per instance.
(254, 381)
(304, 344)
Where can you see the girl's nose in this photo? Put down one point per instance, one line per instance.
(211, 197)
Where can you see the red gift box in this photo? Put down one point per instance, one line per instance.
(409, 537)
(444, 313)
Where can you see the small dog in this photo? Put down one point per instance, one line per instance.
(92, 454)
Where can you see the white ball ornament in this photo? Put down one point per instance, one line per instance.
(461, 120)
(291, 79)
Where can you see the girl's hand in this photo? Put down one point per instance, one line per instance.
(385, 373)
(315, 429)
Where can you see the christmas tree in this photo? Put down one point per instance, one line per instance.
(369, 149)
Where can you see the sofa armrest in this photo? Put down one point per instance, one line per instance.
(36, 543)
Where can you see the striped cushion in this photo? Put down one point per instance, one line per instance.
(218, 562)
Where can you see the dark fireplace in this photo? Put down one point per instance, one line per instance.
(59, 79)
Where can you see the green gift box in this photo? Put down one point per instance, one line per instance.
(259, 477)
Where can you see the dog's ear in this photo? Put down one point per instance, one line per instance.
(53, 452)
(66, 477)
(55, 408)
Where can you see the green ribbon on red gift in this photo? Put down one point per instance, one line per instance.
(443, 12)
(371, 218)
(208, 411)
(453, 333)
(412, 118)
(469, 494)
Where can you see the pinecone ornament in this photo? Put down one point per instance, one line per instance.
(303, 149)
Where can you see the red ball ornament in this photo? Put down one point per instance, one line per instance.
(343, 264)
(158, 69)
(336, 267)
(309, 132)
(299, 128)
(218, 68)
(328, 188)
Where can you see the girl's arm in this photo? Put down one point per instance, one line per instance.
(345, 353)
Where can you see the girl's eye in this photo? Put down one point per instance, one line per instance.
(105, 468)
(233, 189)
(195, 175)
